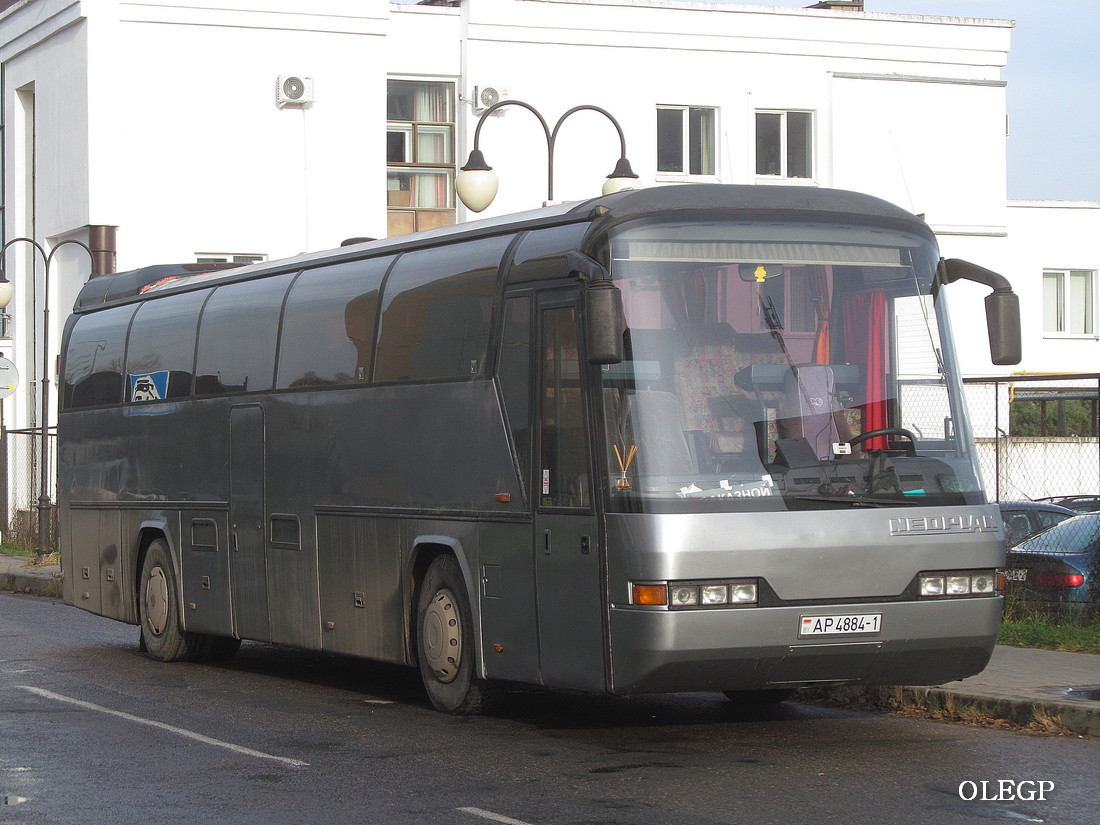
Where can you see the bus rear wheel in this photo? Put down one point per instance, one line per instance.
(161, 633)
(445, 643)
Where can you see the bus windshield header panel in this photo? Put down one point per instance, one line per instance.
(781, 364)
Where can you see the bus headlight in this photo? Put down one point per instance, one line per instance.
(958, 583)
(715, 594)
(984, 583)
(683, 595)
(744, 593)
(932, 585)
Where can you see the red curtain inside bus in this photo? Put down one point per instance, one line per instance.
(866, 343)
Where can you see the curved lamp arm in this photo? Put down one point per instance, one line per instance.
(81, 244)
(7, 291)
(622, 176)
(476, 184)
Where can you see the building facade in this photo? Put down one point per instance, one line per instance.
(161, 131)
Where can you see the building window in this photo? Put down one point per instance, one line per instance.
(420, 168)
(784, 144)
(685, 140)
(1069, 299)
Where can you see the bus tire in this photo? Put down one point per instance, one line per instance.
(161, 633)
(445, 643)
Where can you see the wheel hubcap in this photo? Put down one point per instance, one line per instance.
(156, 601)
(443, 636)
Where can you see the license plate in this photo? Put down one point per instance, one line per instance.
(839, 625)
(1016, 575)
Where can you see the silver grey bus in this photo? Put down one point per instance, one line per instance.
(681, 439)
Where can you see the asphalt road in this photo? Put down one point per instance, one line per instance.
(92, 732)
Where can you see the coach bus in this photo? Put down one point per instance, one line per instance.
(690, 438)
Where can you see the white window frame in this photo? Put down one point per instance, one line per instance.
(405, 130)
(1065, 307)
(401, 203)
(229, 257)
(685, 159)
(784, 133)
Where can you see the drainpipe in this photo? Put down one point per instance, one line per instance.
(102, 242)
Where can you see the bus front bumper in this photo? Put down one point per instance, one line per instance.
(919, 643)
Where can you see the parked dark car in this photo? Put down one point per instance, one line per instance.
(1061, 564)
(1023, 519)
(1078, 504)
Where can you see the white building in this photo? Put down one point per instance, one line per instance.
(171, 127)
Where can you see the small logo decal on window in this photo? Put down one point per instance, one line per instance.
(152, 386)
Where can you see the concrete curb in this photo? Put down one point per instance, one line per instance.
(1082, 718)
(32, 584)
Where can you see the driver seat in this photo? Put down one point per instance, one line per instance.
(806, 408)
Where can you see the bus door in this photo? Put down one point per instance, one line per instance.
(568, 572)
(247, 550)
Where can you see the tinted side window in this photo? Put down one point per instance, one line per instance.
(240, 327)
(161, 353)
(541, 254)
(1048, 519)
(328, 326)
(564, 447)
(93, 359)
(436, 312)
(514, 374)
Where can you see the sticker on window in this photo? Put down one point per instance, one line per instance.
(152, 386)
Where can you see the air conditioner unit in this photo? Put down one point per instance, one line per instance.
(486, 96)
(293, 90)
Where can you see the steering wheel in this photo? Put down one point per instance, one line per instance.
(910, 448)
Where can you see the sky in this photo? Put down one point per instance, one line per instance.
(1053, 76)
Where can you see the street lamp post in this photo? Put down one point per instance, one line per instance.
(6, 292)
(476, 184)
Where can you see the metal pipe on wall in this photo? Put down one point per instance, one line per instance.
(103, 242)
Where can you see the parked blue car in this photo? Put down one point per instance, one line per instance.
(1023, 519)
(1079, 504)
(1061, 564)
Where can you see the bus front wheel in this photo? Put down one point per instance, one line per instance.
(445, 643)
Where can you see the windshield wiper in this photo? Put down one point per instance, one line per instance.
(856, 500)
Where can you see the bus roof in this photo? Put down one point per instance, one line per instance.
(605, 211)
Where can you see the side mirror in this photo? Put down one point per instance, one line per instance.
(603, 319)
(602, 307)
(1002, 309)
(1002, 318)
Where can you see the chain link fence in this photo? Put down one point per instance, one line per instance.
(1037, 435)
(20, 452)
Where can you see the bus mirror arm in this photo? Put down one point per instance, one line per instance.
(602, 307)
(584, 268)
(1002, 308)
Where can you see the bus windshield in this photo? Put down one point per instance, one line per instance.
(772, 365)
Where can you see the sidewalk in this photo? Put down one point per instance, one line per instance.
(40, 580)
(1020, 685)
(1026, 686)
